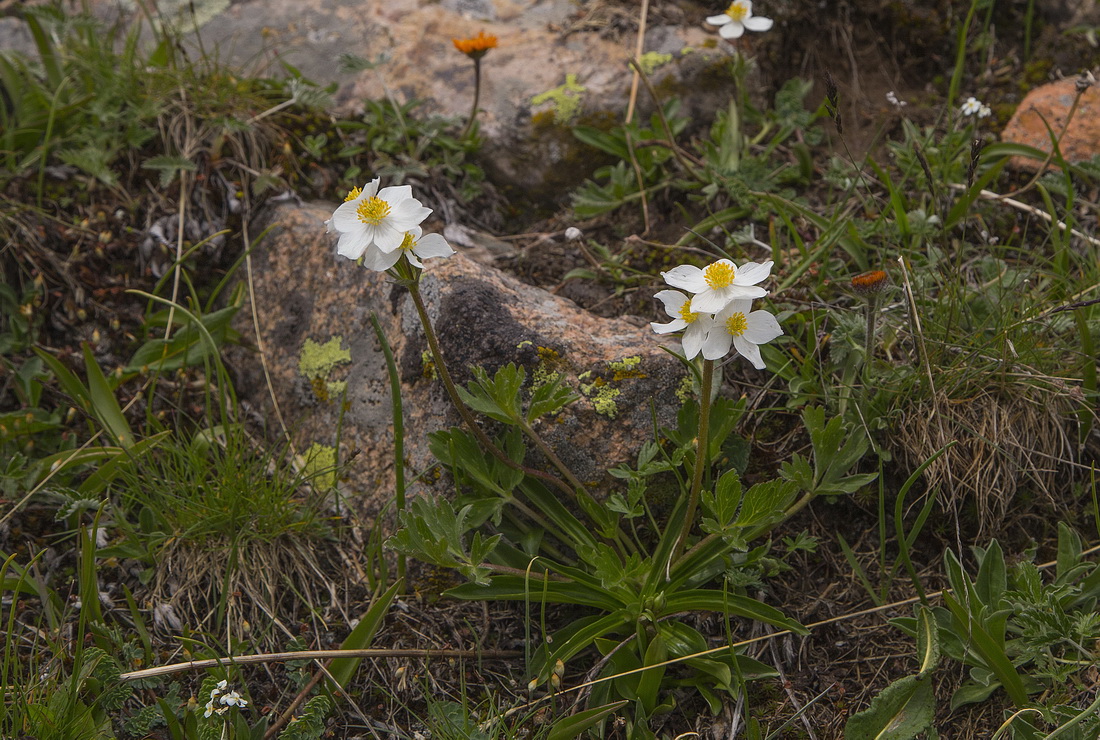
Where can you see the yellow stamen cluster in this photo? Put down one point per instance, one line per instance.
(686, 314)
(373, 210)
(353, 194)
(407, 242)
(736, 324)
(738, 12)
(476, 46)
(719, 275)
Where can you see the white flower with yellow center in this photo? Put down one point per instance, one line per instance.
(694, 325)
(745, 329)
(414, 247)
(378, 218)
(719, 283)
(737, 18)
(975, 107)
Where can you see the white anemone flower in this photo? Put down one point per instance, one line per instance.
(233, 699)
(694, 325)
(373, 217)
(415, 246)
(745, 329)
(975, 107)
(737, 18)
(719, 283)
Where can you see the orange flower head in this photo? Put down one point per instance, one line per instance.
(870, 282)
(476, 46)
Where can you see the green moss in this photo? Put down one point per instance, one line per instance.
(566, 99)
(320, 466)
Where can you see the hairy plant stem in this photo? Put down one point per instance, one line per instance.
(398, 431)
(477, 96)
(702, 455)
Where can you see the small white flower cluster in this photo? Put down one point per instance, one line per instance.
(975, 107)
(227, 700)
(719, 314)
(378, 226)
(893, 99)
(737, 18)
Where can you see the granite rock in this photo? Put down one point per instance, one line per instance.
(304, 294)
(1049, 105)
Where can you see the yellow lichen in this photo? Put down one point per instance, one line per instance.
(626, 368)
(566, 99)
(428, 364)
(652, 60)
(686, 390)
(317, 361)
(320, 466)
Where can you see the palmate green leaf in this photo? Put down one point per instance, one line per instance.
(459, 451)
(168, 166)
(766, 502)
(722, 504)
(901, 711)
(497, 397)
(549, 398)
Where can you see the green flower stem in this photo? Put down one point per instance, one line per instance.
(702, 453)
(477, 95)
(463, 411)
(398, 431)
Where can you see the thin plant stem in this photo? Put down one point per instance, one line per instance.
(463, 411)
(477, 96)
(398, 431)
(702, 453)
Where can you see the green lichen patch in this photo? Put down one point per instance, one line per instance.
(427, 365)
(566, 99)
(686, 390)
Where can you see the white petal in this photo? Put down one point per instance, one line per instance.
(345, 217)
(410, 255)
(396, 193)
(713, 301)
(674, 325)
(371, 188)
(719, 20)
(737, 305)
(717, 344)
(688, 277)
(352, 244)
(432, 245)
(749, 351)
(408, 213)
(758, 23)
(379, 261)
(746, 4)
(732, 30)
(761, 327)
(694, 337)
(387, 238)
(751, 273)
(674, 300)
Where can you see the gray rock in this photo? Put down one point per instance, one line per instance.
(305, 293)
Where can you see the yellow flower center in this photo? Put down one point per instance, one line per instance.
(737, 12)
(719, 275)
(353, 194)
(686, 314)
(736, 324)
(407, 242)
(373, 210)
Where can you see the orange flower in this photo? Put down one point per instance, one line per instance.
(870, 282)
(476, 47)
